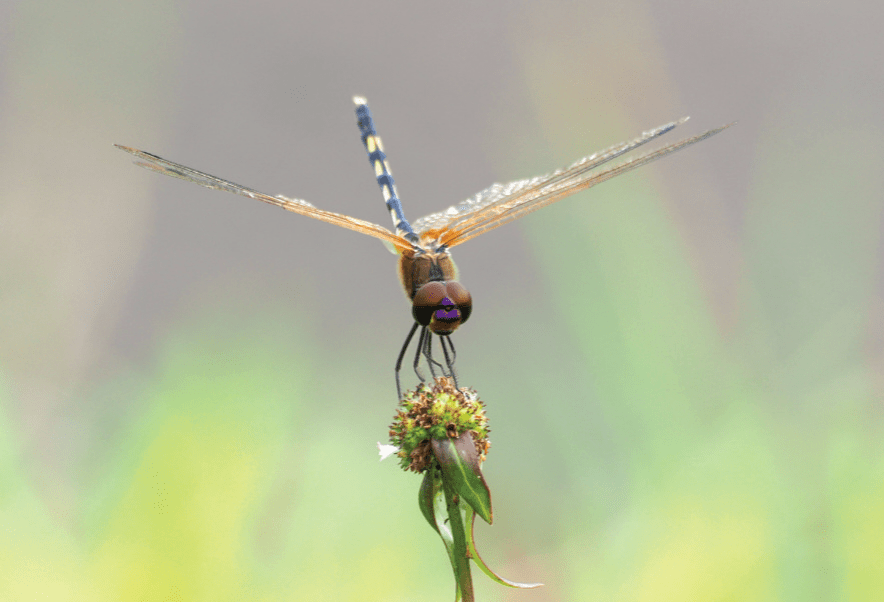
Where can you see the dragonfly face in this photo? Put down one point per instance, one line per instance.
(440, 304)
(437, 300)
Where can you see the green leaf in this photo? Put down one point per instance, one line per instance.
(474, 554)
(432, 504)
(431, 487)
(460, 470)
(445, 506)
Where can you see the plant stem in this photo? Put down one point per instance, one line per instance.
(461, 552)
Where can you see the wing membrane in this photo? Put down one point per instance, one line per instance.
(501, 204)
(176, 170)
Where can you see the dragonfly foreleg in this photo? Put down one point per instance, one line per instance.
(402, 356)
(449, 357)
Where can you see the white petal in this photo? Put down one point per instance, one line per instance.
(386, 450)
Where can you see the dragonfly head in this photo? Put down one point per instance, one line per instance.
(443, 306)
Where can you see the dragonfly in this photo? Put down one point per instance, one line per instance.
(439, 303)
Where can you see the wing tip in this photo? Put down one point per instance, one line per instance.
(720, 128)
(705, 134)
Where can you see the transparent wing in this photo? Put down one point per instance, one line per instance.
(503, 203)
(176, 170)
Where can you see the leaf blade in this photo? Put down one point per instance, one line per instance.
(461, 469)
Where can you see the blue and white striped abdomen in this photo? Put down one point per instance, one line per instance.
(378, 161)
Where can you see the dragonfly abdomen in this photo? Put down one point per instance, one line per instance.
(378, 160)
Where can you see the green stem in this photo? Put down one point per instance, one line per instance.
(460, 551)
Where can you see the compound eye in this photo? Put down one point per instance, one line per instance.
(427, 300)
(461, 297)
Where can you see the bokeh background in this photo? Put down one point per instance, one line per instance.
(682, 366)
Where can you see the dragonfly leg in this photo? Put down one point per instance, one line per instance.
(421, 344)
(401, 356)
(453, 350)
(428, 354)
(449, 357)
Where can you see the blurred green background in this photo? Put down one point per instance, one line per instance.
(682, 366)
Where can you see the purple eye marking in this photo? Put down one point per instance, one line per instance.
(448, 311)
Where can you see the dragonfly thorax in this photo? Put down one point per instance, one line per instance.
(438, 300)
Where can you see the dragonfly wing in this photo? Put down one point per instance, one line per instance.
(455, 217)
(436, 222)
(549, 192)
(176, 170)
(501, 204)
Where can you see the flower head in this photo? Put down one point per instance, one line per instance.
(437, 411)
